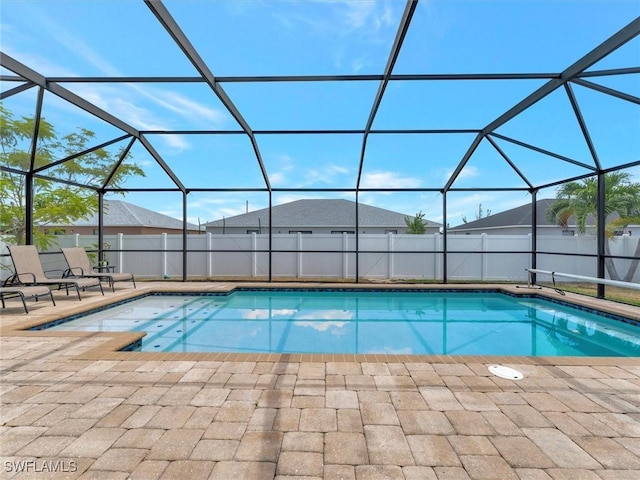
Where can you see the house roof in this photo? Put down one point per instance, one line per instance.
(318, 213)
(123, 214)
(516, 217)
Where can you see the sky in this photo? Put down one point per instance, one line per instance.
(249, 38)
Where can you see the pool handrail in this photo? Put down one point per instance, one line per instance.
(603, 281)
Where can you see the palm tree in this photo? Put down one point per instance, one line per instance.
(580, 200)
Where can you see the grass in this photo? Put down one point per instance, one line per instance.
(616, 294)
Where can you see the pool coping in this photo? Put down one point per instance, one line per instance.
(111, 343)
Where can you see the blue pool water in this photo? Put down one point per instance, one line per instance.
(421, 323)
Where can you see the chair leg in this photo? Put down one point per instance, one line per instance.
(24, 303)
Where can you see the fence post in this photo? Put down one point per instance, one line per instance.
(76, 239)
(254, 254)
(345, 255)
(483, 247)
(165, 274)
(209, 255)
(531, 257)
(299, 255)
(390, 253)
(119, 247)
(436, 257)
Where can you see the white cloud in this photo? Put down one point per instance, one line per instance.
(358, 14)
(327, 315)
(326, 174)
(284, 165)
(124, 101)
(183, 106)
(265, 314)
(349, 26)
(468, 171)
(35, 62)
(320, 326)
(385, 179)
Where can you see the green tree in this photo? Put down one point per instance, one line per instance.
(416, 225)
(54, 203)
(622, 203)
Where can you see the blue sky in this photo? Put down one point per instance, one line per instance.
(123, 38)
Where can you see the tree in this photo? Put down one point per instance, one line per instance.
(54, 203)
(416, 225)
(479, 215)
(580, 200)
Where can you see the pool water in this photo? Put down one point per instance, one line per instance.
(361, 322)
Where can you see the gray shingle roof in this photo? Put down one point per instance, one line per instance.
(519, 216)
(122, 214)
(318, 213)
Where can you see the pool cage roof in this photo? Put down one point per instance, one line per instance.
(368, 121)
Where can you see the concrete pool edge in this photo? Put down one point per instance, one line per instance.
(110, 343)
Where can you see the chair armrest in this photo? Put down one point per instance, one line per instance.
(12, 280)
(20, 275)
(72, 272)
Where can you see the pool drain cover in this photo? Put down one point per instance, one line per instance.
(506, 372)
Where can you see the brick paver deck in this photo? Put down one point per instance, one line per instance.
(74, 408)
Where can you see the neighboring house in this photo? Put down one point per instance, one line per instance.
(332, 216)
(126, 218)
(517, 221)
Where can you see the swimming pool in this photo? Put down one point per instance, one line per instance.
(363, 322)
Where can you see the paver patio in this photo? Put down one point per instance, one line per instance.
(74, 408)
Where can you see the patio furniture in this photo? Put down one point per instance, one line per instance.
(80, 266)
(24, 293)
(29, 271)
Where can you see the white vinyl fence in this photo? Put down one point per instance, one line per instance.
(382, 256)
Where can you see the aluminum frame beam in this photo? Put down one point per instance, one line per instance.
(607, 90)
(174, 30)
(611, 71)
(16, 90)
(123, 155)
(614, 42)
(31, 75)
(543, 151)
(314, 78)
(583, 125)
(409, 10)
(509, 161)
(79, 154)
(420, 131)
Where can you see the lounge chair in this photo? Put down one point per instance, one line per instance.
(24, 293)
(80, 266)
(29, 271)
